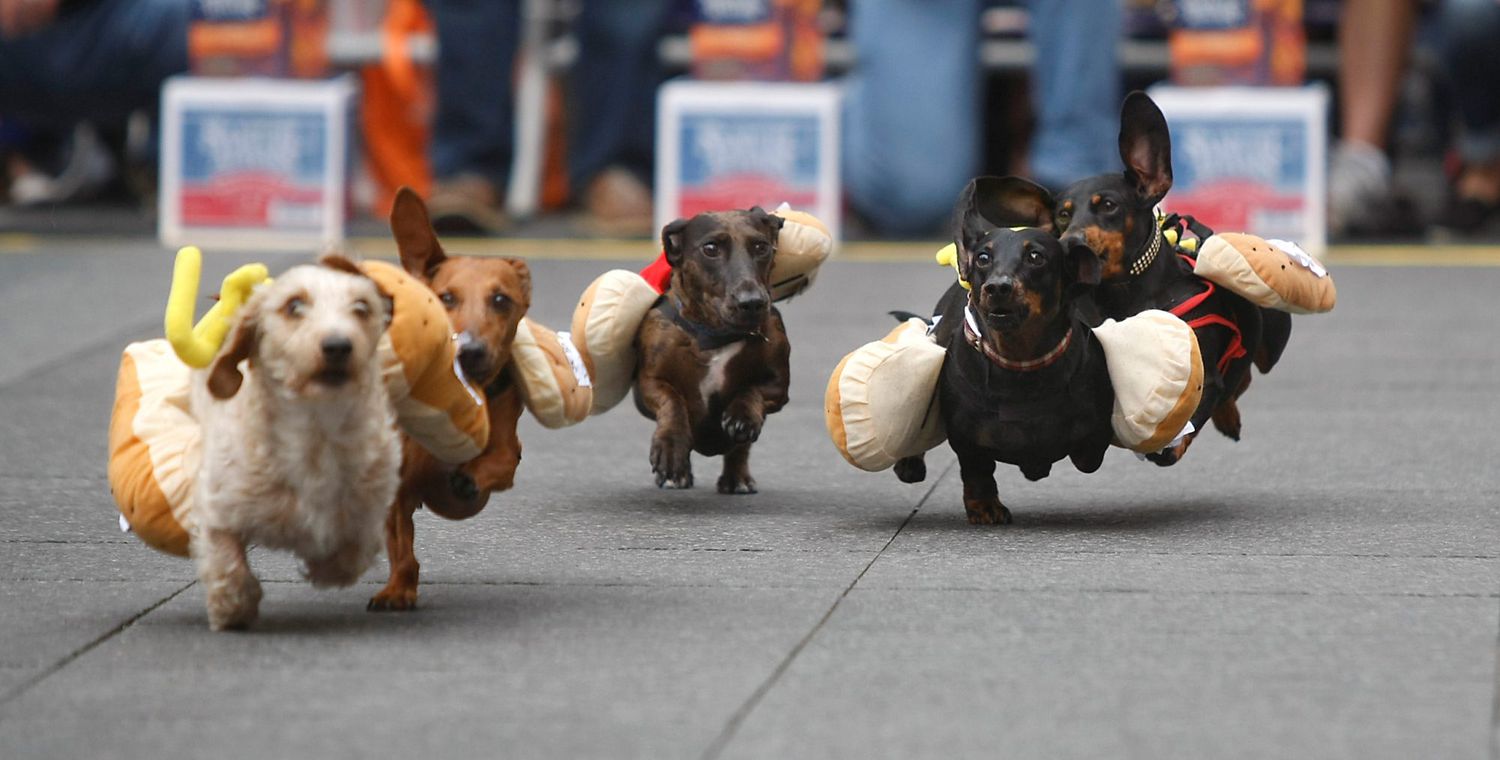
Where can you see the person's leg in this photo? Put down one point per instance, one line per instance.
(613, 114)
(473, 124)
(97, 62)
(1075, 89)
(1374, 39)
(1471, 29)
(912, 117)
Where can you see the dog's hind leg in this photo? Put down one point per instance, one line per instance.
(231, 590)
(736, 476)
(1226, 416)
(911, 469)
(400, 592)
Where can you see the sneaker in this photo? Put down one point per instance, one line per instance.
(87, 169)
(466, 205)
(618, 204)
(1359, 189)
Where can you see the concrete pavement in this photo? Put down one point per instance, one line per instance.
(1327, 588)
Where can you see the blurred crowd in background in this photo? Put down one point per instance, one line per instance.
(937, 91)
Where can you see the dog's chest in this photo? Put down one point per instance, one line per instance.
(715, 379)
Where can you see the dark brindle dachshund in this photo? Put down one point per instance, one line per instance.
(1115, 215)
(714, 358)
(1024, 381)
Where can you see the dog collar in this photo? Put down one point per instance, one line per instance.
(498, 385)
(971, 332)
(1144, 260)
(708, 338)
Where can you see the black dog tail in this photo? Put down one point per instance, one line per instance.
(1276, 330)
(902, 316)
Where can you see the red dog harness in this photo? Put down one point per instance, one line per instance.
(1236, 343)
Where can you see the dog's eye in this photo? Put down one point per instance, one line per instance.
(710, 249)
(1034, 257)
(360, 309)
(448, 299)
(1063, 217)
(1107, 205)
(762, 249)
(983, 259)
(499, 301)
(294, 307)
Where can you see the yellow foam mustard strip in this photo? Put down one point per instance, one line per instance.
(948, 256)
(196, 346)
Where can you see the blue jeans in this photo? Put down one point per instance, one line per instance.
(912, 119)
(1471, 31)
(613, 87)
(97, 62)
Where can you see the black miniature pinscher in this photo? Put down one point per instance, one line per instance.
(1115, 215)
(714, 356)
(1024, 380)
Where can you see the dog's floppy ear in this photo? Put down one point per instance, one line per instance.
(339, 263)
(771, 222)
(1146, 147)
(523, 274)
(671, 241)
(415, 240)
(1005, 202)
(224, 376)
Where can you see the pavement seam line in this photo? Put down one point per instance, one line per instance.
(67, 660)
(720, 742)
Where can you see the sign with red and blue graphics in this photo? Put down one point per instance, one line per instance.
(1249, 159)
(733, 145)
(246, 169)
(735, 161)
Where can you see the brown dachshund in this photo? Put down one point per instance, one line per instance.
(485, 298)
(714, 357)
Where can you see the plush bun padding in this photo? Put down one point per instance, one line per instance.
(604, 326)
(155, 446)
(432, 404)
(550, 390)
(802, 246)
(1264, 274)
(881, 401)
(1157, 373)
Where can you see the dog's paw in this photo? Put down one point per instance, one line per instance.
(911, 469)
(463, 486)
(393, 600)
(670, 461)
(987, 512)
(739, 428)
(733, 484)
(234, 607)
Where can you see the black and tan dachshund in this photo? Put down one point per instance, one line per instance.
(1024, 380)
(1115, 215)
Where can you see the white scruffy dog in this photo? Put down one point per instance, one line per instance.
(304, 456)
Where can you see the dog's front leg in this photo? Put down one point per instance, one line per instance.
(231, 590)
(672, 443)
(495, 469)
(400, 592)
(981, 497)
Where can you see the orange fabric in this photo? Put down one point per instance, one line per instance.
(397, 105)
(132, 479)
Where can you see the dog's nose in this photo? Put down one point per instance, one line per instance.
(337, 350)
(750, 303)
(1001, 287)
(473, 357)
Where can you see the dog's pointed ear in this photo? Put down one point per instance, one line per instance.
(523, 274)
(1146, 147)
(224, 378)
(671, 241)
(415, 239)
(1005, 202)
